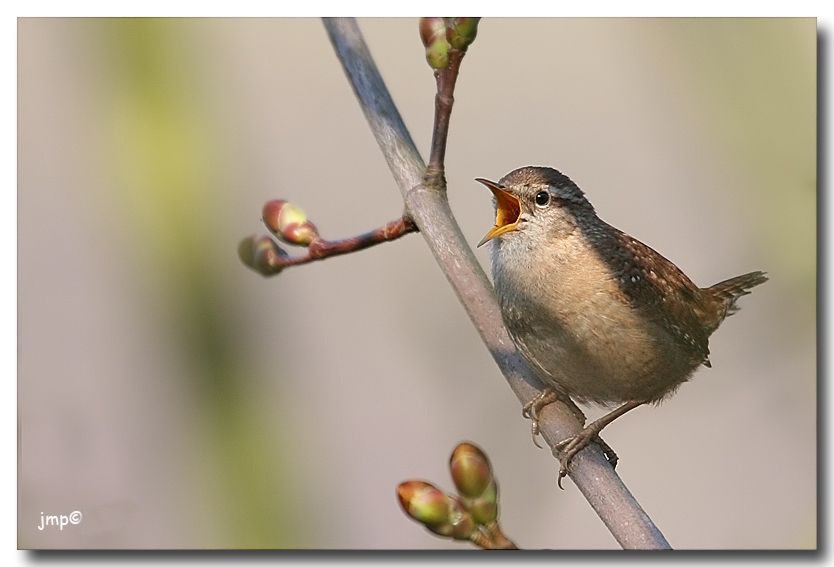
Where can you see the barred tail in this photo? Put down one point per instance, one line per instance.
(730, 290)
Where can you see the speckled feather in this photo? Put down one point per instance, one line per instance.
(659, 289)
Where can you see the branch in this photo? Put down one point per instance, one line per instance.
(289, 223)
(429, 208)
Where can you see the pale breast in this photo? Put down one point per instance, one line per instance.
(567, 316)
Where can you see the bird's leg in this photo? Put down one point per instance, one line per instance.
(546, 397)
(567, 449)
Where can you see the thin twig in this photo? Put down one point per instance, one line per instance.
(264, 256)
(487, 540)
(429, 209)
(320, 249)
(443, 101)
(499, 540)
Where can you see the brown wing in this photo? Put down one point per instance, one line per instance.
(663, 293)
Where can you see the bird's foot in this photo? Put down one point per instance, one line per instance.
(567, 449)
(546, 397)
(532, 408)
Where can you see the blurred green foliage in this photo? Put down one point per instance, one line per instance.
(165, 159)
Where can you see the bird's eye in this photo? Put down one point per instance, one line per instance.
(542, 198)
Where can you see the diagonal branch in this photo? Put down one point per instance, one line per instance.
(429, 208)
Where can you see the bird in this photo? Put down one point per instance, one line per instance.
(601, 318)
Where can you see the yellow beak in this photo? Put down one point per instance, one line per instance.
(507, 209)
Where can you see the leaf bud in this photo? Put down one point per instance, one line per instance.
(289, 222)
(484, 508)
(261, 254)
(461, 32)
(460, 524)
(470, 470)
(433, 35)
(424, 502)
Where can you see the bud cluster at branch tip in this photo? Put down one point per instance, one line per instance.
(440, 35)
(471, 514)
(289, 223)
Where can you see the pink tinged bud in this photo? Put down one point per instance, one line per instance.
(432, 29)
(470, 470)
(289, 222)
(423, 502)
(271, 213)
(301, 234)
(433, 35)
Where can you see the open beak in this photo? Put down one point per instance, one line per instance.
(507, 209)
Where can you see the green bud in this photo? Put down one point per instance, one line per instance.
(470, 470)
(423, 502)
(460, 524)
(461, 32)
(484, 508)
(437, 55)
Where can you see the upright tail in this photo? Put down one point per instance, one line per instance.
(730, 290)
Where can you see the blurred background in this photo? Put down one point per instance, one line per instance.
(179, 400)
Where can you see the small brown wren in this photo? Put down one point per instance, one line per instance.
(601, 317)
